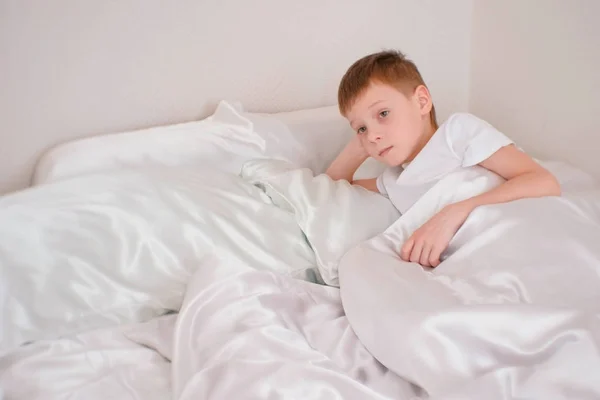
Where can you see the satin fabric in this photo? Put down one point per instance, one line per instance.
(241, 334)
(223, 141)
(513, 310)
(334, 215)
(259, 335)
(118, 248)
(488, 324)
(126, 362)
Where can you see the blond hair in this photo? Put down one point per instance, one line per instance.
(389, 67)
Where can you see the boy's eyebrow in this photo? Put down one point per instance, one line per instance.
(371, 106)
(374, 104)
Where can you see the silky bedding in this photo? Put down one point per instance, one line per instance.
(142, 277)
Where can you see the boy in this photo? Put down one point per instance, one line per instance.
(388, 105)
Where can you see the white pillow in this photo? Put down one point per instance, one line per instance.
(117, 248)
(334, 215)
(371, 168)
(224, 141)
(326, 132)
(321, 131)
(307, 138)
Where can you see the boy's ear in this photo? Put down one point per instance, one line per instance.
(424, 99)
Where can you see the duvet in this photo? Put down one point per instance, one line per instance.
(512, 312)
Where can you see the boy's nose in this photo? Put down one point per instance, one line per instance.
(374, 136)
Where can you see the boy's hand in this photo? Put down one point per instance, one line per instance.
(348, 161)
(358, 147)
(427, 243)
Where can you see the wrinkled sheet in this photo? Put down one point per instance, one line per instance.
(233, 265)
(119, 248)
(512, 312)
(239, 335)
(126, 362)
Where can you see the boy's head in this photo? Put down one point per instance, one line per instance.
(388, 104)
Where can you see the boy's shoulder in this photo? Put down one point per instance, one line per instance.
(462, 120)
(470, 138)
(462, 127)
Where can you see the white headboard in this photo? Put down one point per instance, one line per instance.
(74, 68)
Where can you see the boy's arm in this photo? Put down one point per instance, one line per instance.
(348, 161)
(525, 178)
(369, 184)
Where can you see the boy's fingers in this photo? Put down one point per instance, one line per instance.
(407, 249)
(417, 249)
(425, 255)
(434, 257)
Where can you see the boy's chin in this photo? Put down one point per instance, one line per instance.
(391, 163)
(392, 160)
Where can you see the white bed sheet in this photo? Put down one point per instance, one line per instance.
(116, 248)
(244, 333)
(122, 362)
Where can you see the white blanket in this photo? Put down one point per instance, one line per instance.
(511, 313)
(244, 335)
(114, 250)
(119, 248)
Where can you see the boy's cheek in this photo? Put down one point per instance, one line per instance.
(366, 145)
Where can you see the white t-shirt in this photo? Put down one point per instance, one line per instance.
(462, 141)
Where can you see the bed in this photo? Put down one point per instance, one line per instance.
(206, 255)
(214, 259)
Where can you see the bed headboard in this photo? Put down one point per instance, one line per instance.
(72, 69)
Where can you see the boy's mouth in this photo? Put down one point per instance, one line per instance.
(385, 151)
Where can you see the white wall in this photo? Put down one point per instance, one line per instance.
(536, 75)
(73, 68)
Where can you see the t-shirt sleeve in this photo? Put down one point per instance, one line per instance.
(473, 140)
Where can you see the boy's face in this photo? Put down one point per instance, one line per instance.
(391, 126)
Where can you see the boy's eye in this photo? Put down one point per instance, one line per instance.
(384, 113)
(362, 129)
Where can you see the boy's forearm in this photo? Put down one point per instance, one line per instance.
(346, 164)
(534, 184)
